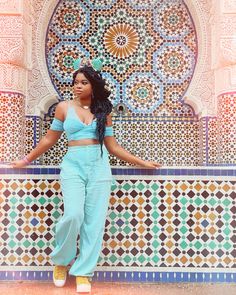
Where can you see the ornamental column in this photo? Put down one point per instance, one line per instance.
(224, 64)
(15, 48)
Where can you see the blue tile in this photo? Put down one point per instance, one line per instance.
(191, 172)
(164, 171)
(185, 172)
(36, 170)
(157, 172)
(230, 172)
(177, 171)
(137, 276)
(170, 172)
(44, 171)
(217, 172)
(51, 170)
(203, 172)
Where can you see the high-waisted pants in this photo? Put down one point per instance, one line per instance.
(86, 184)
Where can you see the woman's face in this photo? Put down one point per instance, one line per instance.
(82, 87)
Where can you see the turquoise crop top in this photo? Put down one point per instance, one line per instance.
(75, 129)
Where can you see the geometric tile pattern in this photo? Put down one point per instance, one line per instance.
(227, 128)
(171, 224)
(130, 276)
(148, 49)
(203, 141)
(212, 146)
(170, 142)
(150, 222)
(12, 106)
(29, 207)
(33, 134)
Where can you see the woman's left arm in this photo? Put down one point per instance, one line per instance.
(115, 149)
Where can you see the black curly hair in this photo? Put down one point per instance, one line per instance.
(100, 104)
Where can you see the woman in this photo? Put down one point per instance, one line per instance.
(85, 172)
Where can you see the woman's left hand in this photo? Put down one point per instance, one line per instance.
(151, 164)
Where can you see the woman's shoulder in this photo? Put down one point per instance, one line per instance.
(62, 104)
(60, 110)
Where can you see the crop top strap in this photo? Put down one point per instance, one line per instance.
(109, 131)
(57, 125)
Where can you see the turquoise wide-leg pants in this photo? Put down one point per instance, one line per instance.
(86, 184)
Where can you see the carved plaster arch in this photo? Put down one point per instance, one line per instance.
(42, 108)
(41, 32)
(192, 96)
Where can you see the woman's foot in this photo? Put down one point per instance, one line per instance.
(59, 275)
(83, 285)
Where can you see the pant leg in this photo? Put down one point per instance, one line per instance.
(67, 229)
(92, 229)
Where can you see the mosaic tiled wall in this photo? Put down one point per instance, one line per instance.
(157, 141)
(157, 221)
(227, 128)
(55, 154)
(12, 122)
(208, 141)
(33, 134)
(148, 50)
(212, 143)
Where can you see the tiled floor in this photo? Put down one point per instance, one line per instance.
(47, 288)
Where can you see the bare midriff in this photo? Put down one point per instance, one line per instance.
(83, 142)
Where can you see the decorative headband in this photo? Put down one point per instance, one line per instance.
(95, 63)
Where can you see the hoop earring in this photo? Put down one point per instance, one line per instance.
(92, 96)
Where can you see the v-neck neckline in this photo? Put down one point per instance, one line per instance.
(77, 116)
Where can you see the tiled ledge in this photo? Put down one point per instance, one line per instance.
(121, 170)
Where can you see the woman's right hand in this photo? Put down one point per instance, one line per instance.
(17, 164)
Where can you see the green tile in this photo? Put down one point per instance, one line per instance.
(126, 215)
(56, 200)
(13, 214)
(226, 216)
(183, 215)
(41, 244)
(56, 215)
(155, 244)
(154, 187)
(183, 229)
(227, 246)
(155, 259)
(155, 215)
(141, 259)
(183, 201)
(127, 229)
(198, 201)
(26, 244)
(126, 187)
(113, 229)
(11, 244)
(42, 200)
(127, 259)
(13, 200)
(28, 200)
(12, 229)
(155, 229)
(140, 186)
(226, 202)
(183, 245)
(198, 245)
(212, 245)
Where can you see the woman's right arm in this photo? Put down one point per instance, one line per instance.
(46, 142)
